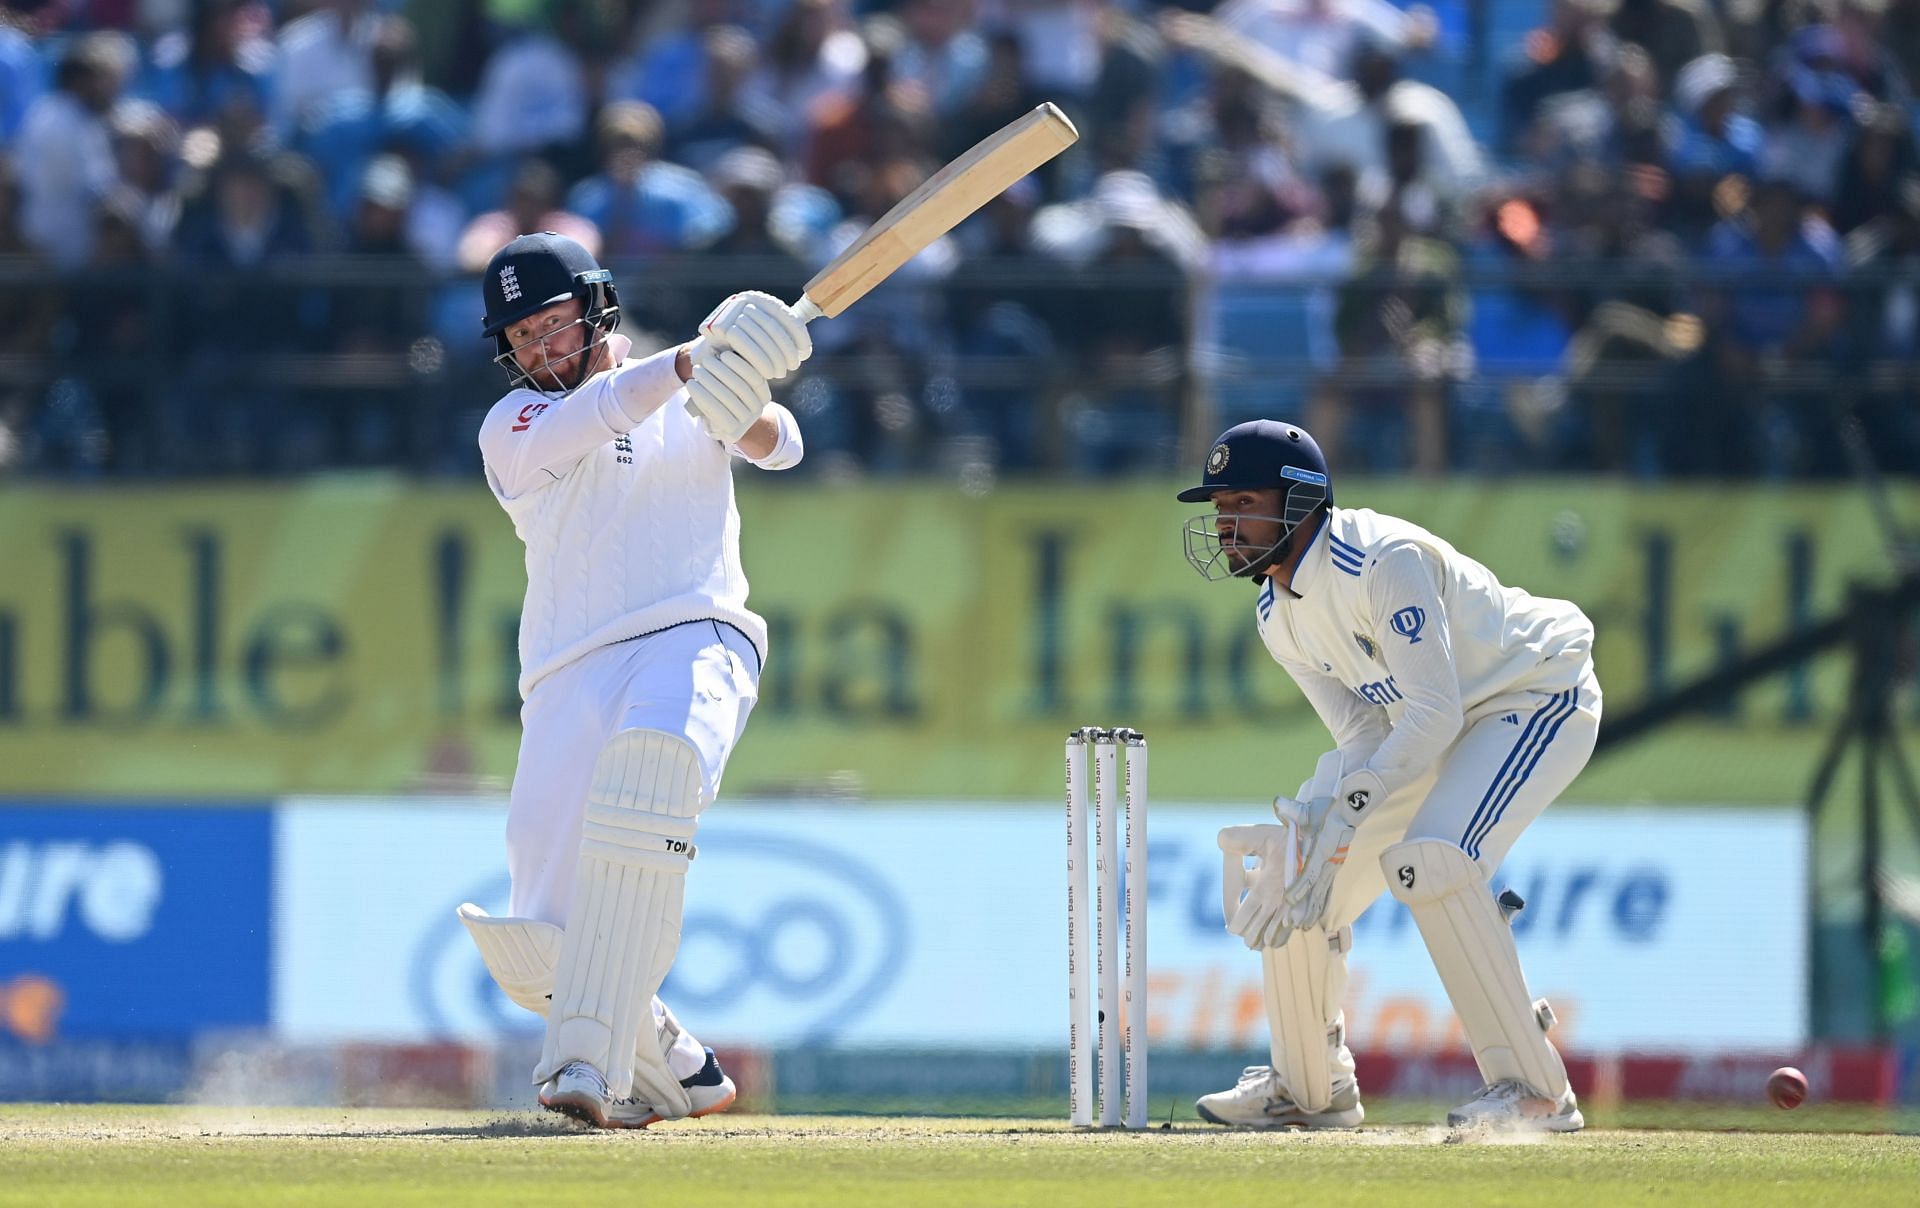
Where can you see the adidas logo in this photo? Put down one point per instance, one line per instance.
(1512, 719)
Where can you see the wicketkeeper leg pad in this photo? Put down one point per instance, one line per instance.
(1473, 951)
(1303, 983)
(623, 928)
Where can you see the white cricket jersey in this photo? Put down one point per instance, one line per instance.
(626, 507)
(1399, 641)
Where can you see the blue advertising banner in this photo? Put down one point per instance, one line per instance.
(150, 922)
(944, 926)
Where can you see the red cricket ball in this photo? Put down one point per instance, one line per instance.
(1787, 1087)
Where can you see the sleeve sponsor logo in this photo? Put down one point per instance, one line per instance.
(1408, 623)
(528, 414)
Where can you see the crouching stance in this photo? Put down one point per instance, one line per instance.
(640, 661)
(1459, 710)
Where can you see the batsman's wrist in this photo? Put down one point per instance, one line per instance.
(683, 362)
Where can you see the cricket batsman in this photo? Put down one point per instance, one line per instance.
(639, 658)
(1459, 708)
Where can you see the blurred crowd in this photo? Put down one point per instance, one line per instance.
(1654, 237)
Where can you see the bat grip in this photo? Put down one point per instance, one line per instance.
(805, 311)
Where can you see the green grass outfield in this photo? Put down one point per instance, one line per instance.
(89, 1155)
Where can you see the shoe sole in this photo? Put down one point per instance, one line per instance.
(1292, 1125)
(1547, 1124)
(584, 1110)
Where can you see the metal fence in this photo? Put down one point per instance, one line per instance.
(1003, 367)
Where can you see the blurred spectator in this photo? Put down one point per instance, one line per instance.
(146, 147)
(882, 120)
(668, 70)
(532, 96)
(1811, 123)
(772, 218)
(1324, 35)
(380, 317)
(1127, 89)
(1779, 309)
(532, 204)
(22, 77)
(65, 154)
(1710, 138)
(26, 312)
(1863, 47)
(942, 54)
(1568, 54)
(1060, 42)
(1880, 163)
(1901, 36)
(1138, 252)
(814, 53)
(1002, 97)
(642, 205)
(1350, 125)
(327, 51)
(1400, 327)
(1620, 125)
(396, 109)
(220, 61)
(728, 117)
(1674, 32)
(248, 214)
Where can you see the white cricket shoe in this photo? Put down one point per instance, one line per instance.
(1513, 1106)
(1257, 1101)
(580, 1091)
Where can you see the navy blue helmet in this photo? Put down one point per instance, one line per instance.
(534, 272)
(1259, 455)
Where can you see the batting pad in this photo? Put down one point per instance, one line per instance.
(520, 953)
(1305, 979)
(1473, 951)
(624, 925)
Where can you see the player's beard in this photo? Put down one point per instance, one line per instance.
(577, 365)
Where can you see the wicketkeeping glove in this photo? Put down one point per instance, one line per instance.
(1328, 825)
(1257, 917)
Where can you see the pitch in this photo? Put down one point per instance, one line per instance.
(92, 1155)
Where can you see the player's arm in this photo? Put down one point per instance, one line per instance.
(529, 440)
(749, 342)
(1403, 587)
(1358, 728)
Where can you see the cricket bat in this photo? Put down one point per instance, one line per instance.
(943, 201)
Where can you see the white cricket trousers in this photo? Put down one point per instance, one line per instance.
(699, 680)
(1494, 781)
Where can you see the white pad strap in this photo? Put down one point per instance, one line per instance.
(520, 953)
(1304, 981)
(623, 928)
(1473, 951)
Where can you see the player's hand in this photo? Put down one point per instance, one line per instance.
(1256, 918)
(726, 392)
(762, 330)
(1327, 826)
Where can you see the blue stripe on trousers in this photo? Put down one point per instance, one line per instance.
(1561, 712)
(1499, 778)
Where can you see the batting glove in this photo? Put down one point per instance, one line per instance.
(762, 330)
(726, 392)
